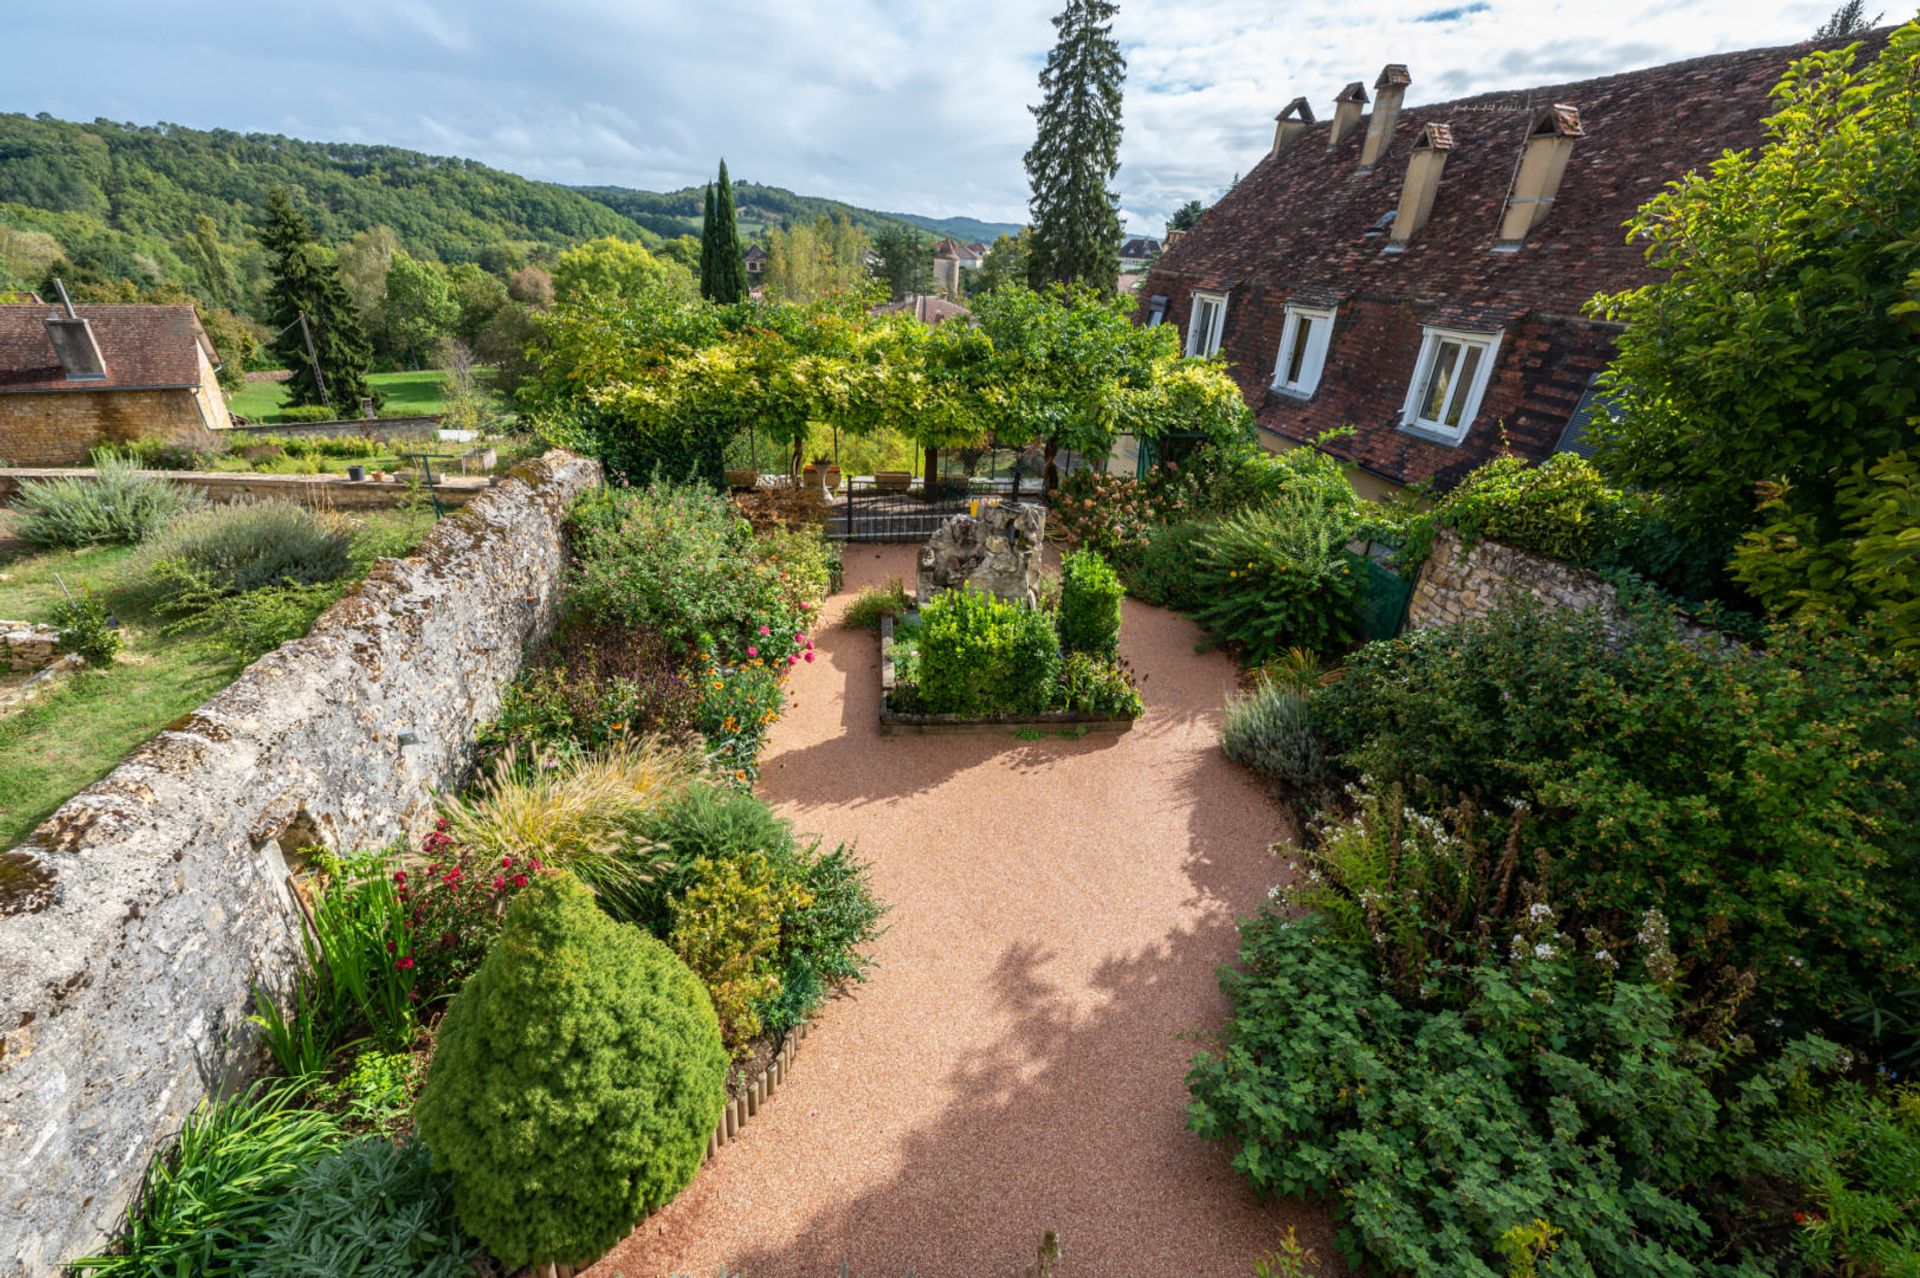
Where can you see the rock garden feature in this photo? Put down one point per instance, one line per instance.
(973, 658)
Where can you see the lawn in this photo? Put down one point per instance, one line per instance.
(69, 738)
(408, 395)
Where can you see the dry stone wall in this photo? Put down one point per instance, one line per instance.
(1456, 586)
(134, 921)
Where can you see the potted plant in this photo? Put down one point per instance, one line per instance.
(823, 473)
(356, 473)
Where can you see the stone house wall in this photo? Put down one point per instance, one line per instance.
(61, 428)
(135, 920)
(1455, 586)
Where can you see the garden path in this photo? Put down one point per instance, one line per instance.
(1016, 1062)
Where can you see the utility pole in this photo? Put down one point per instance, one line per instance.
(313, 358)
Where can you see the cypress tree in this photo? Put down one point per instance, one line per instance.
(706, 246)
(307, 282)
(726, 277)
(1076, 153)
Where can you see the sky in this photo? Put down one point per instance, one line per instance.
(900, 105)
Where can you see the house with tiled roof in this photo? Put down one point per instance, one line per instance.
(950, 258)
(1137, 253)
(73, 379)
(1421, 273)
(929, 308)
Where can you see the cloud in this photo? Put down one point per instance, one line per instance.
(893, 104)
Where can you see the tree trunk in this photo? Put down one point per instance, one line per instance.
(931, 479)
(1052, 480)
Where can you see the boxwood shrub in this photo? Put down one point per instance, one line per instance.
(980, 655)
(1090, 595)
(577, 1077)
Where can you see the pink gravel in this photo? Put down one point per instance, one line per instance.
(1017, 1061)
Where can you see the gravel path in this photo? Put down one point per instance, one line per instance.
(1016, 1062)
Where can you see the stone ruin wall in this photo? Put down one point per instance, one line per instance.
(1454, 586)
(133, 922)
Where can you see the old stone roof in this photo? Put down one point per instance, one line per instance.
(1309, 224)
(928, 308)
(1140, 246)
(146, 346)
(954, 251)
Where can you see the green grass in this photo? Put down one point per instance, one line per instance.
(408, 395)
(70, 737)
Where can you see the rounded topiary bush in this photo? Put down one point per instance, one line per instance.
(1090, 595)
(576, 1079)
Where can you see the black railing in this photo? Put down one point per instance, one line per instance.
(873, 510)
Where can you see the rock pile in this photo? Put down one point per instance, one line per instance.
(998, 552)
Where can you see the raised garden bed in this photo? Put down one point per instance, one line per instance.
(894, 723)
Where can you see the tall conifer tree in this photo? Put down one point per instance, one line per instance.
(723, 276)
(706, 246)
(1076, 153)
(306, 282)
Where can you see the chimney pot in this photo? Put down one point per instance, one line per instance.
(1347, 109)
(1389, 90)
(1294, 119)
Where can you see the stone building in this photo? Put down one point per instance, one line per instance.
(73, 379)
(1421, 273)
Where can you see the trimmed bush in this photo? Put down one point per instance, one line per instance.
(1090, 595)
(980, 655)
(370, 1209)
(118, 506)
(230, 550)
(577, 1077)
(1270, 730)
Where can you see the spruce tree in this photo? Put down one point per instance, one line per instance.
(724, 278)
(706, 246)
(1076, 217)
(306, 282)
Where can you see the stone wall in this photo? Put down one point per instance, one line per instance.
(62, 428)
(1455, 587)
(26, 647)
(133, 922)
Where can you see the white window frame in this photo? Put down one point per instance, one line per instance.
(1318, 321)
(1461, 403)
(1205, 343)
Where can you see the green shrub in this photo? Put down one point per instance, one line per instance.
(1560, 1113)
(217, 1187)
(1090, 595)
(980, 655)
(1270, 729)
(1763, 799)
(306, 413)
(1281, 576)
(820, 945)
(119, 506)
(1855, 1154)
(726, 927)
(738, 706)
(576, 1079)
(1165, 574)
(875, 602)
(668, 558)
(243, 626)
(804, 555)
(159, 454)
(1098, 686)
(85, 628)
(230, 550)
(370, 1209)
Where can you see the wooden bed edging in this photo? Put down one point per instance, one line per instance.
(895, 724)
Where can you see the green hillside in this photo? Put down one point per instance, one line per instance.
(123, 201)
(761, 208)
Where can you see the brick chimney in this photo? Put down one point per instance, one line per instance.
(1537, 180)
(73, 343)
(1346, 112)
(1295, 119)
(1388, 92)
(1424, 165)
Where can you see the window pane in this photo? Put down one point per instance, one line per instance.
(1302, 335)
(1463, 385)
(1439, 381)
(1203, 311)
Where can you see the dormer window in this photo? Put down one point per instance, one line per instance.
(1448, 382)
(1205, 324)
(1303, 350)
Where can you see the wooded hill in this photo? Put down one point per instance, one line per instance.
(763, 208)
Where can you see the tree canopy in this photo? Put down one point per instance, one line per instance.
(723, 270)
(1076, 155)
(320, 338)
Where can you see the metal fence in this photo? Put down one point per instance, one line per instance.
(870, 510)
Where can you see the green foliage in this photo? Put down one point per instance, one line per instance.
(726, 927)
(1855, 1153)
(378, 1089)
(875, 602)
(1759, 798)
(1281, 575)
(723, 273)
(1775, 342)
(1270, 729)
(820, 945)
(118, 506)
(1165, 575)
(361, 947)
(247, 545)
(738, 705)
(906, 260)
(244, 626)
(86, 628)
(1100, 686)
(1090, 596)
(201, 1202)
(1076, 156)
(577, 1077)
(980, 655)
(321, 336)
(1870, 571)
(371, 1209)
(1441, 1134)
(615, 268)
(599, 685)
(419, 308)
